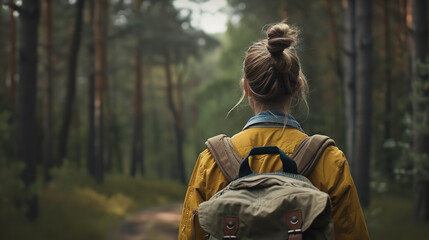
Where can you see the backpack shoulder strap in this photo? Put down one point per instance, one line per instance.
(225, 155)
(308, 152)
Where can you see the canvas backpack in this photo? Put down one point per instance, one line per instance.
(281, 205)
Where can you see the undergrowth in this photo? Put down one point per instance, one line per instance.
(390, 214)
(73, 206)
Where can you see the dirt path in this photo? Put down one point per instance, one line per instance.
(157, 223)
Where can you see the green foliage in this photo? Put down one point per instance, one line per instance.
(11, 186)
(217, 98)
(409, 162)
(73, 206)
(5, 135)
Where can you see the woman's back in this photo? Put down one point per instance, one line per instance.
(331, 175)
(272, 77)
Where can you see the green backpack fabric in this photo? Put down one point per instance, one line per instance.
(281, 205)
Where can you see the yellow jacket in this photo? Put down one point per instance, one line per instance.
(331, 175)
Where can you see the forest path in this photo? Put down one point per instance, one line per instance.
(157, 223)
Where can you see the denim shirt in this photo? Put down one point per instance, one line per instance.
(274, 118)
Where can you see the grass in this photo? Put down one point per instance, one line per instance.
(390, 216)
(74, 207)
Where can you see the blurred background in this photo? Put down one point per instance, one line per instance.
(106, 104)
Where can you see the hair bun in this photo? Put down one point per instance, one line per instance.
(280, 37)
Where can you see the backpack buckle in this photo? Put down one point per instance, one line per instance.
(229, 237)
(230, 227)
(294, 231)
(294, 224)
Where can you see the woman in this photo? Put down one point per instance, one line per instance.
(272, 77)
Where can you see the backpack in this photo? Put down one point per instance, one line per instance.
(280, 205)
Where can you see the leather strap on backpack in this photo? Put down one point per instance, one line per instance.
(306, 154)
(225, 155)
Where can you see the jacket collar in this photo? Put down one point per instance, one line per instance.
(273, 118)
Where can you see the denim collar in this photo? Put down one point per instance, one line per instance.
(274, 118)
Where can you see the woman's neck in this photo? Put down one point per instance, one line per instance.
(258, 107)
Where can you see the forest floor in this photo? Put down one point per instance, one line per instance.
(386, 210)
(157, 223)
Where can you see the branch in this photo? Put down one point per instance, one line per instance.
(13, 6)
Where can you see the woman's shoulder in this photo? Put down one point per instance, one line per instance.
(333, 155)
(205, 158)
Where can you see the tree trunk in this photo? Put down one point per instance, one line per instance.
(285, 12)
(117, 148)
(335, 41)
(12, 56)
(75, 125)
(137, 161)
(71, 83)
(420, 92)
(112, 133)
(405, 29)
(194, 112)
(335, 83)
(108, 139)
(47, 106)
(90, 161)
(109, 116)
(388, 91)
(177, 129)
(363, 99)
(28, 59)
(349, 81)
(137, 146)
(156, 142)
(180, 101)
(100, 78)
(2, 67)
(3, 79)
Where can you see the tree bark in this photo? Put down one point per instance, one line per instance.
(47, 106)
(420, 93)
(349, 81)
(2, 51)
(335, 41)
(137, 161)
(75, 125)
(108, 124)
(194, 112)
(156, 141)
(109, 116)
(90, 161)
(3, 70)
(177, 129)
(180, 100)
(285, 11)
(28, 59)
(388, 90)
(335, 83)
(100, 78)
(71, 83)
(363, 99)
(12, 55)
(137, 146)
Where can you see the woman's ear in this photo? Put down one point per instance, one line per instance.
(245, 87)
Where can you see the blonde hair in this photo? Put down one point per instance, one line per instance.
(271, 68)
